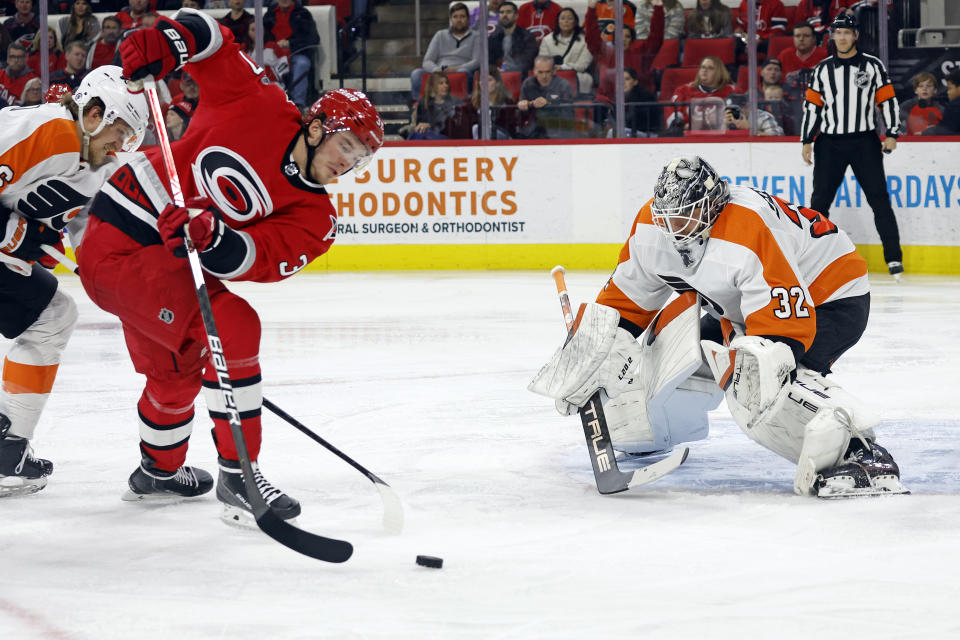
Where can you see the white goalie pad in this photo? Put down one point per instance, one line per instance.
(676, 390)
(598, 354)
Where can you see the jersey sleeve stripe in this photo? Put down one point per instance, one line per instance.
(885, 93)
(612, 296)
(50, 139)
(844, 269)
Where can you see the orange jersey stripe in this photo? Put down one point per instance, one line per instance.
(814, 97)
(884, 93)
(49, 139)
(744, 226)
(841, 271)
(28, 378)
(612, 296)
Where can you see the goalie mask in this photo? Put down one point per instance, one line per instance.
(107, 84)
(687, 200)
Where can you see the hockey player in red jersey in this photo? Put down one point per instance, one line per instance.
(53, 159)
(791, 295)
(253, 172)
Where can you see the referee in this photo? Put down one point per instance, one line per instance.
(840, 105)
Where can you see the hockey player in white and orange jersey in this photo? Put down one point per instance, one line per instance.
(791, 295)
(53, 159)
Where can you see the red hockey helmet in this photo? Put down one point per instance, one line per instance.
(348, 110)
(55, 92)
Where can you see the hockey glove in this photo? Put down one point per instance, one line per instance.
(761, 368)
(156, 51)
(22, 238)
(200, 218)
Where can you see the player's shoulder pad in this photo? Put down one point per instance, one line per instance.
(205, 31)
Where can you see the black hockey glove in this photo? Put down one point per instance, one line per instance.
(22, 237)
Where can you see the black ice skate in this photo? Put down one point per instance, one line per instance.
(186, 482)
(20, 472)
(233, 494)
(866, 470)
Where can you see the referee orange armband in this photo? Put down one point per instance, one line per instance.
(814, 97)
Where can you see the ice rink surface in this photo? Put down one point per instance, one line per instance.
(422, 378)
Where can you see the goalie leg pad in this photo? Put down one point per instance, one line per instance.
(598, 354)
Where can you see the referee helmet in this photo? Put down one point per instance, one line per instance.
(845, 21)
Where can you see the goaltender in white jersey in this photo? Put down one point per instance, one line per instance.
(785, 293)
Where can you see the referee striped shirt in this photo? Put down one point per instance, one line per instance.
(843, 96)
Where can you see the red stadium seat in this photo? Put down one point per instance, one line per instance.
(668, 55)
(458, 84)
(696, 49)
(571, 77)
(512, 81)
(778, 44)
(673, 78)
(743, 78)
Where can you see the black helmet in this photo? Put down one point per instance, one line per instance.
(845, 21)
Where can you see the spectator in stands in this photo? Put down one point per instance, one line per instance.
(75, 58)
(275, 63)
(511, 48)
(296, 35)
(950, 124)
(805, 53)
(504, 116)
(786, 113)
(539, 18)
(177, 119)
(131, 16)
(771, 73)
(922, 112)
(736, 119)
(192, 4)
(550, 99)
(637, 55)
(771, 20)
(32, 93)
(451, 50)
(237, 19)
(81, 25)
(710, 19)
(54, 52)
(189, 91)
(431, 120)
(148, 20)
(819, 14)
(640, 120)
(713, 80)
(673, 16)
(607, 16)
(493, 16)
(567, 46)
(105, 48)
(14, 77)
(24, 25)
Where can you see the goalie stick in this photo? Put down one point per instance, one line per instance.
(309, 544)
(602, 455)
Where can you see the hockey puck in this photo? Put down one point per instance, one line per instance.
(430, 561)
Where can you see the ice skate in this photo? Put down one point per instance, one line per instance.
(20, 472)
(896, 270)
(864, 471)
(186, 482)
(233, 494)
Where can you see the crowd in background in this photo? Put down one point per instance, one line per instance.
(555, 77)
(81, 41)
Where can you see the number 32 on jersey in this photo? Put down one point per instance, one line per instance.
(793, 302)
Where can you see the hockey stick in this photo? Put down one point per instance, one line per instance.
(602, 455)
(309, 544)
(392, 507)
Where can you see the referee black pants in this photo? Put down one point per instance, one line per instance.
(862, 151)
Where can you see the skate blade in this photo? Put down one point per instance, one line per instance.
(12, 486)
(130, 496)
(241, 518)
(883, 486)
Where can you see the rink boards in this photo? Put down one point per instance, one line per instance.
(534, 205)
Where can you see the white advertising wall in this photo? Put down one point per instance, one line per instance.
(543, 196)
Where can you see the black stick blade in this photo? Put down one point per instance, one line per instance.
(309, 544)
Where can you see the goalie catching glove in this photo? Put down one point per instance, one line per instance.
(761, 368)
(598, 354)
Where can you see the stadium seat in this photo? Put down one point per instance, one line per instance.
(458, 84)
(778, 44)
(673, 77)
(743, 78)
(512, 81)
(696, 49)
(668, 55)
(570, 76)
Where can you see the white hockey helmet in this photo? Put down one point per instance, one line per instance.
(107, 84)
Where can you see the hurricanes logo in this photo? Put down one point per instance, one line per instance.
(232, 184)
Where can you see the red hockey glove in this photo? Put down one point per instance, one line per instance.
(203, 221)
(22, 237)
(156, 51)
